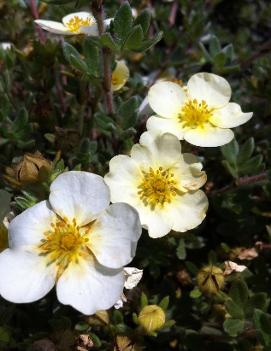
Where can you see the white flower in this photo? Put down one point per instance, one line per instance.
(200, 113)
(120, 75)
(76, 241)
(72, 24)
(161, 183)
(6, 46)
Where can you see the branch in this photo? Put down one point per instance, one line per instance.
(35, 13)
(97, 8)
(242, 181)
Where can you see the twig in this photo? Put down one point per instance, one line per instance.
(173, 14)
(242, 181)
(98, 12)
(35, 13)
(252, 179)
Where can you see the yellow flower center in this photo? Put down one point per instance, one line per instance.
(75, 23)
(195, 114)
(64, 243)
(157, 188)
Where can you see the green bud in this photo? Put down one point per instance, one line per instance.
(210, 279)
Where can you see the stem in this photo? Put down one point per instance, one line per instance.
(98, 12)
(35, 13)
(243, 181)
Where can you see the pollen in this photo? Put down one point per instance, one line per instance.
(195, 114)
(64, 243)
(158, 187)
(75, 23)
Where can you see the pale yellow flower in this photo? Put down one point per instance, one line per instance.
(161, 183)
(120, 75)
(199, 113)
(71, 241)
(73, 24)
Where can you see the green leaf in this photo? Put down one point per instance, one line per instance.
(148, 44)
(92, 57)
(123, 21)
(144, 20)
(220, 59)
(195, 294)
(229, 52)
(143, 300)
(164, 303)
(234, 309)
(20, 121)
(230, 151)
(134, 39)
(181, 251)
(107, 41)
(259, 301)
(233, 326)
(252, 165)
(239, 292)
(246, 150)
(262, 322)
(214, 46)
(232, 170)
(74, 58)
(128, 112)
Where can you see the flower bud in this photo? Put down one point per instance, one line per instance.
(210, 279)
(27, 171)
(152, 318)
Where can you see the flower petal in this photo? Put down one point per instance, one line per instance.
(209, 136)
(89, 287)
(166, 99)
(91, 31)
(230, 116)
(24, 277)
(187, 211)
(209, 87)
(79, 195)
(164, 149)
(123, 170)
(114, 235)
(154, 221)
(120, 75)
(53, 27)
(158, 125)
(28, 228)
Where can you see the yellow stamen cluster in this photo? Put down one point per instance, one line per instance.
(195, 114)
(75, 23)
(64, 243)
(157, 188)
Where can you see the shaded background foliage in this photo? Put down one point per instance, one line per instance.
(52, 103)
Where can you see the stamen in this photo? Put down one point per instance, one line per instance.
(157, 188)
(64, 243)
(75, 23)
(195, 114)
